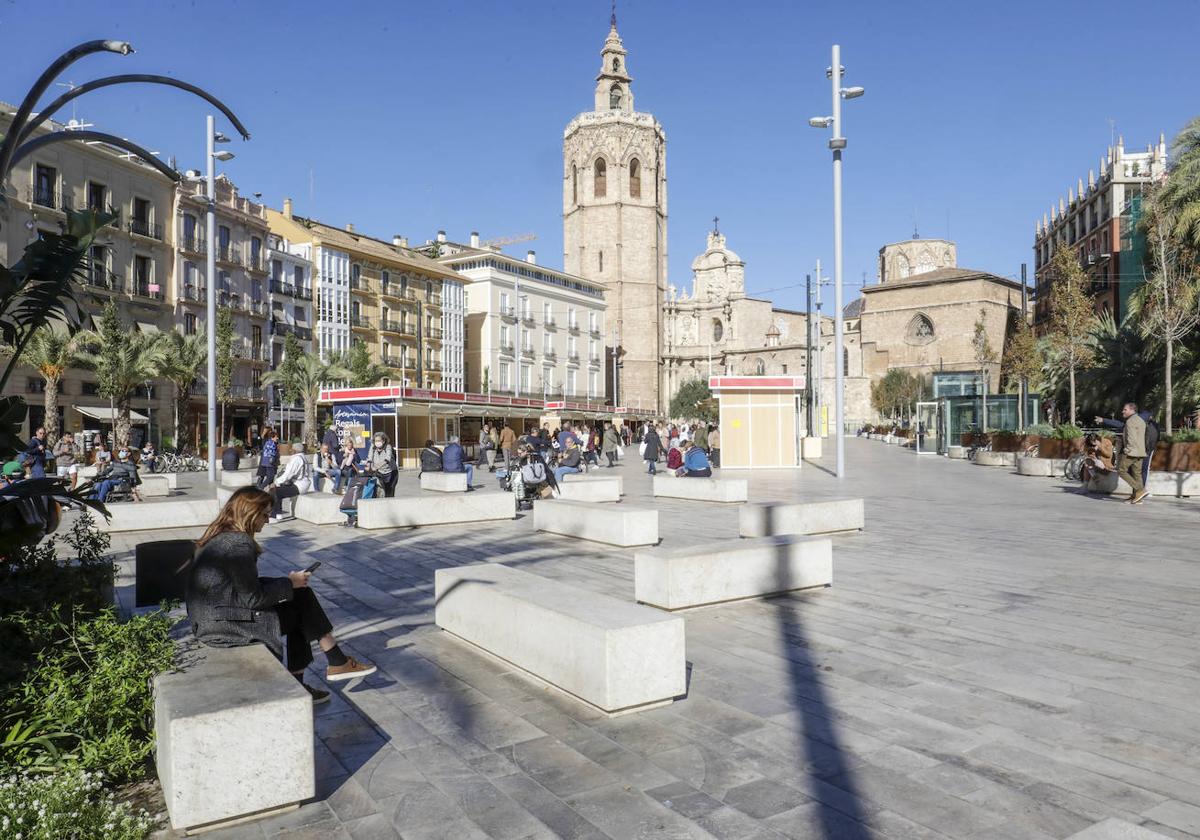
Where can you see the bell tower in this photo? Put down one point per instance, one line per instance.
(615, 223)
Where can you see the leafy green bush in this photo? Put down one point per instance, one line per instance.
(1067, 431)
(66, 805)
(1040, 429)
(1183, 436)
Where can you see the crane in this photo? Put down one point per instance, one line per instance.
(501, 241)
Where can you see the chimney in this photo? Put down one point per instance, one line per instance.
(441, 236)
(403, 241)
(531, 257)
(399, 241)
(474, 239)
(349, 228)
(287, 208)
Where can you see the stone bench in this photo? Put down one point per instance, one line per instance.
(319, 508)
(153, 516)
(154, 485)
(1047, 467)
(577, 478)
(701, 489)
(613, 655)
(238, 478)
(810, 448)
(710, 573)
(987, 458)
(619, 525)
(600, 489)
(233, 737)
(1173, 483)
(958, 453)
(823, 517)
(412, 511)
(444, 482)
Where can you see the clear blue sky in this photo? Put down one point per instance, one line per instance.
(407, 117)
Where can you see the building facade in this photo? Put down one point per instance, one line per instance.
(454, 313)
(615, 221)
(290, 304)
(1100, 221)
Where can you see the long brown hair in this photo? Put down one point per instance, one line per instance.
(239, 514)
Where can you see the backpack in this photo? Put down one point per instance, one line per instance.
(360, 487)
(1152, 435)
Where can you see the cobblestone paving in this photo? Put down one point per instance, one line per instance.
(999, 657)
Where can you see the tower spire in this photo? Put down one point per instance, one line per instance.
(613, 19)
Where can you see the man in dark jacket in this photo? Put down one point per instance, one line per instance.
(454, 461)
(431, 458)
(1151, 437)
(651, 452)
(331, 439)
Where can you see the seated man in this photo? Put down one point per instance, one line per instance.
(695, 462)
(149, 456)
(453, 461)
(1099, 452)
(431, 459)
(123, 471)
(569, 461)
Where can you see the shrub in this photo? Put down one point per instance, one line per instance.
(1183, 436)
(66, 805)
(1067, 431)
(1040, 429)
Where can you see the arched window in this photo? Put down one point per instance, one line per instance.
(845, 361)
(574, 184)
(600, 179)
(355, 272)
(718, 329)
(920, 330)
(600, 261)
(616, 64)
(635, 178)
(760, 368)
(614, 98)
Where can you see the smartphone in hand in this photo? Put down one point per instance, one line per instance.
(312, 568)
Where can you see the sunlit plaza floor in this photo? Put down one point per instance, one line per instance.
(999, 657)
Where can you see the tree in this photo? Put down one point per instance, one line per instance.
(693, 401)
(1180, 195)
(1022, 362)
(1071, 317)
(984, 355)
(226, 359)
(364, 372)
(184, 359)
(287, 376)
(305, 380)
(895, 395)
(123, 359)
(52, 351)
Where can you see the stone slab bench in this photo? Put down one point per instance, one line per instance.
(599, 489)
(1162, 483)
(153, 516)
(987, 458)
(319, 508)
(701, 489)
(412, 511)
(711, 573)
(233, 737)
(823, 517)
(618, 525)
(444, 482)
(958, 453)
(154, 485)
(238, 478)
(615, 656)
(810, 448)
(1049, 467)
(577, 478)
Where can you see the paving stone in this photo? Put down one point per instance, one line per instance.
(1178, 815)
(763, 798)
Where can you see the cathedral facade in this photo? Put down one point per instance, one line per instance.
(615, 223)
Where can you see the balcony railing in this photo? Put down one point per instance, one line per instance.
(433, 365)
(47, 197)
(228, 254)
(360, 285)
(257, 306)
(594, 332)
(258, 354)
(256, 263)
(527, 318)
(389, 325)
(594, 358)
(527, 351)
(506, 348)
(144, 227)
(193, 244)
(549, 355)
(507, 312)
(196, 294)
(229, 300)
(573, 328)
(396, 362)
(141, 288)
(278, 287)
(573, 356)
(433, 298)
(550, 324)
(282, 328)
(360, 321)
(99, 277)
(246, 392)
(434, 333)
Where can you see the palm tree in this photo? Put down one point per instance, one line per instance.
(364, 371)
(184, 359)
(52, 351)
(1180, 196)
(305, 377)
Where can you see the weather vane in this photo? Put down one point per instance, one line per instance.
(614, 14)
(716, 224)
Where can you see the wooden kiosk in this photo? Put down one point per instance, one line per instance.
(761, 420)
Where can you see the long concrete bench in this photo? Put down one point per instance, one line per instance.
(824, 517)
(987, 458)
(1049, 467)
(319, 508)
(958, 453)
(696, 575)
(153, 516)
(411, 511)
(701, 489)
(154, 485)
(600, 489)
(233, 737)
(444, 482)
(1173, 483)
(618, 525)
(576, 478)
(616, 656)
(238, 478)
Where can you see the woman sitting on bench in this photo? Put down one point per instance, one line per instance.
(230, 605)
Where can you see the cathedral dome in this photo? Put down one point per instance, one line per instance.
(716, 255)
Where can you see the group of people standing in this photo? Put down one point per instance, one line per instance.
(689, 450)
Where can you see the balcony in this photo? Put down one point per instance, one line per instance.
(398, 327)
(278, 287)
(228, 254)
(257, 306)
(527, 352)
(398, 362)
(99, 277)
(527, 318)
(282, 328)
(142, 288)
(48, 197)
(433, 365)
(361, 322)
(433, 298)
(434, 333)
(230, 300)
(594, 331)
(395, 290)
(258, 354)
(549, 355)
(506, 348)
(246, 392)
(193, 245)
(256, 262)
(144, 227)
(573, 328)
(361, 285)
(550, 324)
(508, 312)
(593, 359)
(195, 294)
(573, 357)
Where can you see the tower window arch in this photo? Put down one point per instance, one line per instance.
(920, 330)
(635, 178)
(574, 184)
(600, 179)
(845, 361)
(616, 64)
(600, 261)
(760, 367)
(614, 98)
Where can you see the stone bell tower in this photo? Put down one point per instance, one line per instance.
(615, 223)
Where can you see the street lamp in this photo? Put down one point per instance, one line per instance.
(837, 144)
(212, 137)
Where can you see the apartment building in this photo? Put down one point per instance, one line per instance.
(384, 295)
(1100, 221)
(530, 330)
(130, 262)
(290, 304)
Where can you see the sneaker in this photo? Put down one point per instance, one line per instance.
(1139, 497)
(318, 695)
(352, 669)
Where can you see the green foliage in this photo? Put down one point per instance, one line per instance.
(1182, 436)
(124, 359)
(184, 360)
(896, 394)
(305, 379)
(226, 357)
(1040, 429)
(1071, 317)
(67, 805)
(52, 351)
(1023, 357)
(364, 372)
(1181, 193)
(693, 401)
(1067, 431)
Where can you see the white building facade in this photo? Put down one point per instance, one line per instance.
(453, 332)
(289, 302)
(333, 300)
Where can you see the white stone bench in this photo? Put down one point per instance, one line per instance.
(1162, 483)
(701, 489)
(577, 478)
(616, 656)
(444, 482)
(238, 478)
(233, 737)
(987, 458)
(710, 573)
(617, 525)
(601, 489)
(810, 447)
(154, 485)
(319, 508)
(1046, 467)
(153, 516)
(411, 511)
(823, 517)
(956, 452)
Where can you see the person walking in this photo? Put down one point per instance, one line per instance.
(487, 449)
(296, 480)
(651, 445)
(714, 446)
(381, 461)
(508, 444)
(35, 453)
(454, 461)
(268, 459)
(1151, 439)
(229, 605)
(1133, 452)
(66, 459)
(611, 443)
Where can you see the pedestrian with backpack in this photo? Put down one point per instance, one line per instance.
(268, 460)
(1152, 434)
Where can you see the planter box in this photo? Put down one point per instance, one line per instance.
(1183, 457)
(1162, 454)
(1049, 447)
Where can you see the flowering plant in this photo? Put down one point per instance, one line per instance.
(63, 806)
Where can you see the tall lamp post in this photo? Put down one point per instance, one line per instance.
(211, 157)
(837, 143)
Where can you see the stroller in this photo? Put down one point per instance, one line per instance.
(528, 480)
(360, 487)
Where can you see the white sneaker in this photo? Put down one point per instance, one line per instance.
(275, 519)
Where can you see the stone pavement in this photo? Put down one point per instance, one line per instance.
(999, 657)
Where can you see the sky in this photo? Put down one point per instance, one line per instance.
(410, 117)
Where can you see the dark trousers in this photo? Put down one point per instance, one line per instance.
(714, 457)
(302, 621)
(612, 457)
(285, 491)
(266, 475)
(389, 484)
(704, 473)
